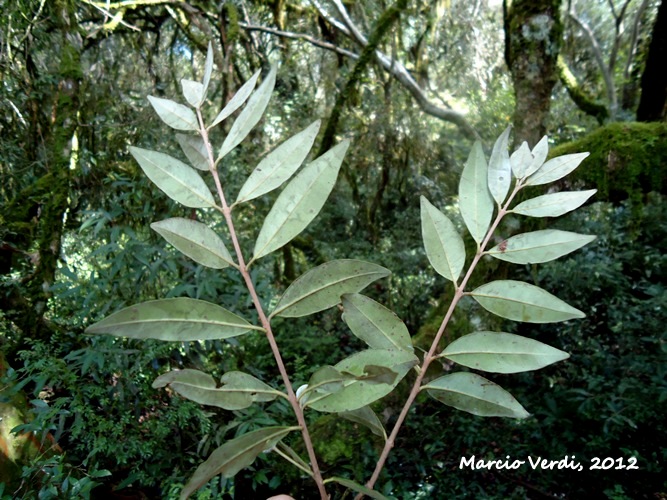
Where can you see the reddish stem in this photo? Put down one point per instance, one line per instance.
(266, 324)
(431, 356)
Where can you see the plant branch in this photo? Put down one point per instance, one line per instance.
(298, 411)
(431, 356)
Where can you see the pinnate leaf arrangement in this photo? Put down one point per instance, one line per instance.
(348, 388)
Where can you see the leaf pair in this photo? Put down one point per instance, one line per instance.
(357, 381)
(496, 352)
(238, 390)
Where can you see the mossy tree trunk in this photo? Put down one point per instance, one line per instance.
(533, 35)
(654, 79)
(39, 211)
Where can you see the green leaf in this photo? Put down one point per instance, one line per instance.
(193, 92)
(179, 320)
(235, 455)
(555, 169)
(195, 150)
(187, 375)
(176, 179)
(208, 70)
(250, 115)
(444, 246)
(501, 352)
(371, 370)
(238, 390)
(500, 168)
(526, 162)
(554, 204)
(300, 201)
(196, 240)
(366, 417)
(321, 287)
(474, 394)
(237, 100)
(325, 380)
(521, 160)
(373, 323)
(475, 201)
(279, 165)
(539, 152)
(521, 301)
(539, 246)
(175, 115)
(356, 487)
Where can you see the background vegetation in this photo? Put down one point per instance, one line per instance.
(78, 412)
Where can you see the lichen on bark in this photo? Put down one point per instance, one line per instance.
(533, 35)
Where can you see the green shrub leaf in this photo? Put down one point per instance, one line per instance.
(443, 244)
(373, 323)
(186, 376)
(474, 394)
(321, 287)
(250, 115)
(521, 301)
(238, 390)
(196, 240)
(179, 320)
(175, 115)
(237, 100)
(475, 200)
(235, 455)
(195, 150)
(539, 246)
(300, 201)
(193, 92)
(500, 169)
(176, 179)
(555, 169)
(366, 417)
(364, 377)
(553, 204)
(279, 165)
(356, 487)
(501, 352)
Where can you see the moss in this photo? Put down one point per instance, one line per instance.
(627, 160)
(583, 101)
(233, 30)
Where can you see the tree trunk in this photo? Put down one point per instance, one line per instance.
(41, 207)
(533, 35)
(654, 79)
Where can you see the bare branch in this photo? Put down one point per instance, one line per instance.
(398, 71)
(301, 36)
(356, 34)
(597, 52)
(131, 4)
(331, 20)
(633, 39)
